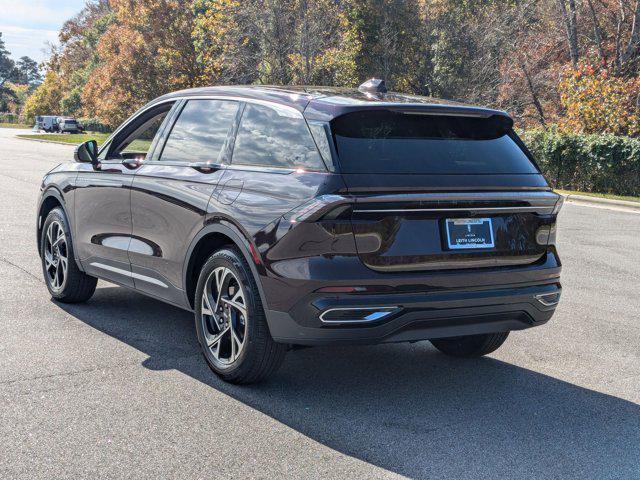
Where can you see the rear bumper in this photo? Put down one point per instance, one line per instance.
(418, 316)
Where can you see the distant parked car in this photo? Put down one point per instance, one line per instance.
(68, 124)
(48, 123)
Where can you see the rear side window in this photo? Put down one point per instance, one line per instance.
(383, 141)
(200, 133)
(275, 137)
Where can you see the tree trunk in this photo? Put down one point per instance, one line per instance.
(571, 26)
(534, 95)
(633, 47)
(618, 40)
(597, 33)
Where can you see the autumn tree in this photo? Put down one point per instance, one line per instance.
(598, 102)
(146, 51)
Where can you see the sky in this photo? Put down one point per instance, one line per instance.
(27, 25)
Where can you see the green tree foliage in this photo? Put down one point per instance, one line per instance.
(7, 74)
(16, 79)
(27, 72)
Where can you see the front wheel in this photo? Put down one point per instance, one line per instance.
(230, 321)
(470, 345)
(65, 281)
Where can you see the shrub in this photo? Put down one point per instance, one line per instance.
(94, 125)
(599, 163)
(6, 117)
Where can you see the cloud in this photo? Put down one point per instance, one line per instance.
(31, 42)
(28, 25)
(38, 13)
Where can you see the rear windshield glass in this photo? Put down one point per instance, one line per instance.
(383, 141)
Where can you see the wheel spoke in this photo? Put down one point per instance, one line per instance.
(238, 306)
(236, 343)
(63, 263)
(48, 260)
(216, 351)
(237, 296)
(217, 338)
(58, 240)
(221, 275)
(206, 305)
(56, 278)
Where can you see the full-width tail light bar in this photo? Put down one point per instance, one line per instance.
(322, 207)
(559, 204)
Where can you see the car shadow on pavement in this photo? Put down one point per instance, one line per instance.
(403, 407)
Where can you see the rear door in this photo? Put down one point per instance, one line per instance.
(436, 192)
(275, 168)
(171, 192)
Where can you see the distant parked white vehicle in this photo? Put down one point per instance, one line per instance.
(68, 124)
(48, 123)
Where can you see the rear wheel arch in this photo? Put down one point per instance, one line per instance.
(207, 241)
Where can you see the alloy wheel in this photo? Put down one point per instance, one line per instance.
(56, 261)
(224, 316)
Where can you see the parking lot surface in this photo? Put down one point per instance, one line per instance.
(116, 387)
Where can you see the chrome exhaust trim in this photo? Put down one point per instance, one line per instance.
(360, 314)
(548, 299)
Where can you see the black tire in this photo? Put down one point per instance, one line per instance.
(260, 356)
(77, 286)
(470, 345)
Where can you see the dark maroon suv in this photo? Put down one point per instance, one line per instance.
(305, 216)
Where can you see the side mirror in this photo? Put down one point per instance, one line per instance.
(87, 152)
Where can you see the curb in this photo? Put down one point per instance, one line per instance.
(47, 141)
(603, 202)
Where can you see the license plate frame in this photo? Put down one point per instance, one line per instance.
(478, 234)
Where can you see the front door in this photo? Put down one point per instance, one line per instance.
(103, 199)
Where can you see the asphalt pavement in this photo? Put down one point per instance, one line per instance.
(116, 387)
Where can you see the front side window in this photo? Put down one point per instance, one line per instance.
(275, 137)
(200, 133)
(136, 138)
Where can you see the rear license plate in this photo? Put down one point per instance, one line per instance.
(467, 233)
